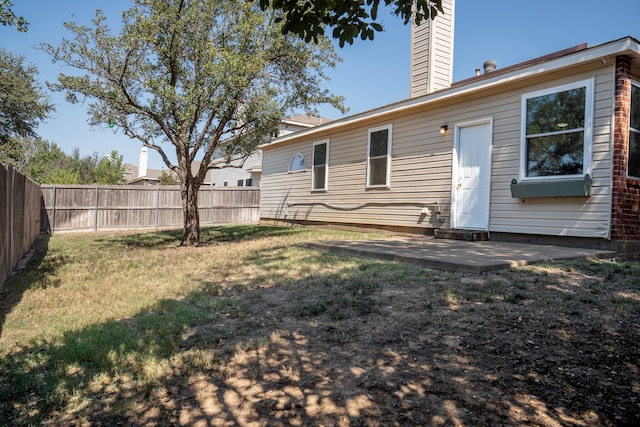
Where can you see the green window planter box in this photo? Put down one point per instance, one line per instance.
(580, 187)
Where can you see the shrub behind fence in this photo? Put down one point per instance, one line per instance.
(20, 222)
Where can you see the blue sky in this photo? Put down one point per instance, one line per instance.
(372, 74)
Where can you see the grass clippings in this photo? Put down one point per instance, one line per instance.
(254, 328)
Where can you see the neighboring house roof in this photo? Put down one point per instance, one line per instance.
(131, 174)
(305, 120)
(490, 81)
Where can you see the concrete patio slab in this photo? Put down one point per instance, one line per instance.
(458, 255)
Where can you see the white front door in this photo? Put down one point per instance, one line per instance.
(472, 177)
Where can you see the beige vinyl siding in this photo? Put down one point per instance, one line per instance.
(432, 53)
(421, 169)
(419, 59)
(565, 216)
(412, 185)
(442, 56)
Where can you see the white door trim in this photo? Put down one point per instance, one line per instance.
(456, 164)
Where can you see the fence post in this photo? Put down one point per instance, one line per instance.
(213, 204)
(95, 222)
(53, 210)
(158, 207)
(12, 217)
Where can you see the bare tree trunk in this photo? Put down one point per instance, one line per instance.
(191, 226)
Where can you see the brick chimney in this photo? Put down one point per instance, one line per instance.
(432, 52)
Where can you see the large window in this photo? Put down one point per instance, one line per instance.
(320, 165)
(557, 131)
(634, 133)
(379, 157)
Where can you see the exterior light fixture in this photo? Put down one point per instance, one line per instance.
(444, 129)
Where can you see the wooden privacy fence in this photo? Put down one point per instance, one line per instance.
(83, 207)
(20, 201)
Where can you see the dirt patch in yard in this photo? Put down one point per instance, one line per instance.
(288, 335)
(543, 346)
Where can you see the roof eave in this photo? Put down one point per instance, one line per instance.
(603, 52)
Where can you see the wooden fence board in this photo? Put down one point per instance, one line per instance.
(74, 207)
(26, 209)
(20, 202)
(5, 224)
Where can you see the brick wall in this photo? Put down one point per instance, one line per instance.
(625, 213)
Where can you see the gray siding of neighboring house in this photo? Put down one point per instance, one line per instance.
(232, 175)
(421, 171)
(252, 166)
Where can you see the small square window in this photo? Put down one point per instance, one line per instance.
(240, 182)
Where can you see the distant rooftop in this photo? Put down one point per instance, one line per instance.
(307, 119)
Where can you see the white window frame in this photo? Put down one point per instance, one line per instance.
(588, 129)
(326, 167)
(387, 184)
(295, 156)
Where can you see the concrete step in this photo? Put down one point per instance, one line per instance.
(457, 234)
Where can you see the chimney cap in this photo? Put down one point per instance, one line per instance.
(489, 65)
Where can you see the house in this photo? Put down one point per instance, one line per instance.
(247, 175)
(548, 149)
(141, 174)
(250, 173)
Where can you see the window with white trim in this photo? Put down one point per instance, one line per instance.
(557, 131)
(379, 157)
(633, 160)
(319, 176)
(298, 163)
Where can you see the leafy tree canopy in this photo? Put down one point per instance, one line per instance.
(198, 75)
(349, 19)
(167, 179)
(46, 163)
(23, 105)
(110, 169)
(9, 18)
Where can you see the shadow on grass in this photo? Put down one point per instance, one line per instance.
(208, 236)
(38, 270)
(103, 366)
(409, 347)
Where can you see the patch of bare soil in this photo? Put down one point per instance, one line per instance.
(534, 346)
